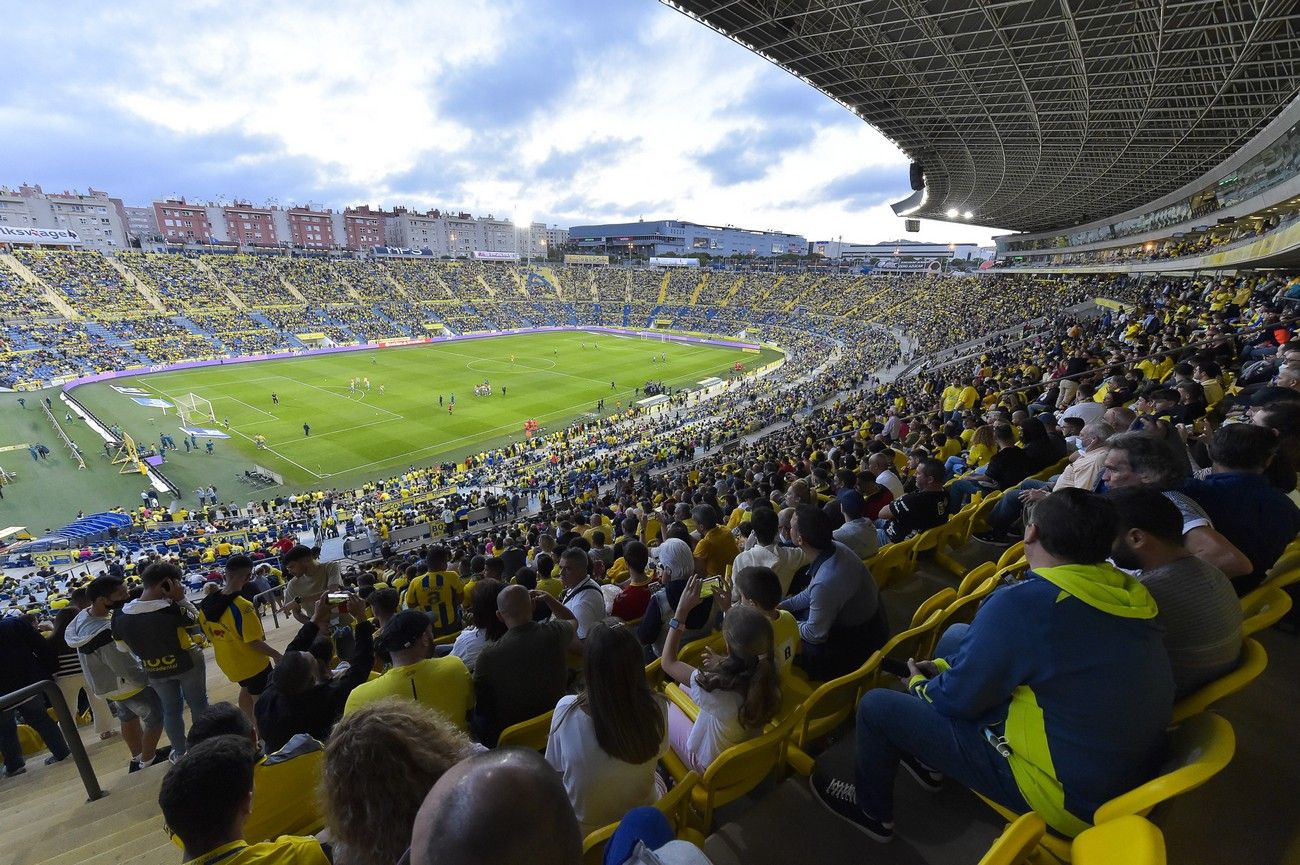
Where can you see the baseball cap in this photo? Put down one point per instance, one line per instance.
(403, 630)
(852, 502)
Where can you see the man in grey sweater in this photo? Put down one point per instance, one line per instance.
(841, 619)
(114, 674)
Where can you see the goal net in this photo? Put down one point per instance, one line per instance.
(194, 410)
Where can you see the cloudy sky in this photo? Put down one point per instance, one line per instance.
(566, 111)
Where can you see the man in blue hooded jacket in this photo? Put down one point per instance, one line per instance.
(1055, 699)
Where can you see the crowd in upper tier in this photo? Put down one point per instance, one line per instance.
(144, 309)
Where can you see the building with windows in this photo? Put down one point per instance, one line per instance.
(358, 228)
(906, 250)
(97, 221)
(307, 228)
(141, 223)
(676, 237)
(181, 222)
(248, 225)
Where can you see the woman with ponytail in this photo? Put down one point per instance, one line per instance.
(737, 693)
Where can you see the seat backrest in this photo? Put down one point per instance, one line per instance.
(1012, 553)
(532, 733)
(1198, 750)
(675, 805)
(1263, 608)
(743, 767)
(1017, 841)
(975, 577)
(909, 643)
(1250, 664)
(832, 701)
(892, 562)
(932, 604)
(1132, 840)
(1286, 575)
(961, 611)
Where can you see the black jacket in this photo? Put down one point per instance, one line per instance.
(25, 656)
(315, 710)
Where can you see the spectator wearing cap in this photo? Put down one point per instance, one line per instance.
(858, 533)
(442, 684)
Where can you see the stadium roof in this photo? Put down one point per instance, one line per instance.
(1038, 114)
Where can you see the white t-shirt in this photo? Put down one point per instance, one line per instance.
(469, 643)
(786, 561)
(891, 482)
(602, 788)
(587, 603)
(718, 726)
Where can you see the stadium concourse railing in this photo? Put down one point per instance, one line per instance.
(68, 726)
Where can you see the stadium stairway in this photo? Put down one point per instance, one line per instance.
(732, 291)
(571, 314)
(627, 315)
(129, 278)
(55, 298)
(47, 820)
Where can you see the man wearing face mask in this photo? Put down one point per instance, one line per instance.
(156, 628)
(115, 675)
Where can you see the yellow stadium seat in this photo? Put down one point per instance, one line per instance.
(979, 520)
(932, 604)
(960, 611)
(1288, 576)
(1250, 665)
(1017, 842)
(531, 734)
(689, 653)
(1263, 608)
(975, 577)
(893, 562)
(1011, 555)
(951, 535)
(1129, 840)
(1198, 750)
(446, 640)
(675, 805)
(735, 771)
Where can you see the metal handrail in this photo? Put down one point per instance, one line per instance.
(67, 724)
(270, 594)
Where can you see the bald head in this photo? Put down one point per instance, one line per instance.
(515, 606)
(497, 808)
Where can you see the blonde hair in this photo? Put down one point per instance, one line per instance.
(380, 763)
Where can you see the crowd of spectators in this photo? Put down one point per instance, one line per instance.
(1171, 420)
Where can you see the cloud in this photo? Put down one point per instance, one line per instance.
(574, 113)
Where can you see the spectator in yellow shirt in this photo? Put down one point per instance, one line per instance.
(438, 592)
(443, 684)
(716, 548)
(211, 826)
(234, 629)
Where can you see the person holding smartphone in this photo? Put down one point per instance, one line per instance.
(156, 629)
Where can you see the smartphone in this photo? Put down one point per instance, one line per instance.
(708, 585)
(338, 599)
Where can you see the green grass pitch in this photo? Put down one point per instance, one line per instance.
(554, 377)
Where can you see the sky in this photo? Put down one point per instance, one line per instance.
(565, 112)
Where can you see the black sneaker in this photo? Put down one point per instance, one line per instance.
(997, 539)
(134, 766)
(930, 780)
(51, 760)
(13, 773)
(160, 755)
(841, 799)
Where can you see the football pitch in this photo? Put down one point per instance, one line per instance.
(398, 421)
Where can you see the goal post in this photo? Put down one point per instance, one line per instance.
(192, 407)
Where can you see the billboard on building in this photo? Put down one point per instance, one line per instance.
(674, 262)
(402, 251)
(492, 255)
(20, 234)
(586, 259)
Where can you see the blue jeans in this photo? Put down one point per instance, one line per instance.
(35, 716)
(648, 825)
(1009, 507)
(961, 490)
(891, 724)
(176, 692)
